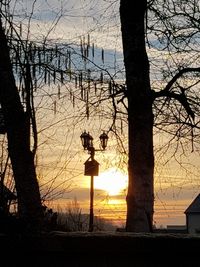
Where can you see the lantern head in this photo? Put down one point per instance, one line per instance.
(104, 140)
(87, 140)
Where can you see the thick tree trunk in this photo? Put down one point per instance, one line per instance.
(140, 199)
(17, 126)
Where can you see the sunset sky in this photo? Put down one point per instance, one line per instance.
(60, 153)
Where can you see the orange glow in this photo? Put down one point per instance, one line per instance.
(113, 181)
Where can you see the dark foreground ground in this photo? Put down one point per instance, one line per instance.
(100, 250)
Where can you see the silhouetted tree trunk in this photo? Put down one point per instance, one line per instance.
(140, 199)
(17, 126)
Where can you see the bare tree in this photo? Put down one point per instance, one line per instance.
(174, 101)
(140, 118)
(17, 127)
(25, 63)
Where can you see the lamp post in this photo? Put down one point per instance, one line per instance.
(92, 166)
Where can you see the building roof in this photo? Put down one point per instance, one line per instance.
(194, 207)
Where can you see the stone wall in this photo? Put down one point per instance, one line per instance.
(58, 249)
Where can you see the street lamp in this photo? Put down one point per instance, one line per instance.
(92, 166)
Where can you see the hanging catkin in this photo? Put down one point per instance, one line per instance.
(39, 60)
(88, 79)
(102, 55)
(81, 48)
(87, 106)
(87, 51)
(75, 80)
(58, 91)
(54, 76)
(61, 76)
(88, 40)
(59, 60)
(82, 97)
(49, 77)
(45, 75)
(87, 111)
(95, 88)
(110, 88)
(80, 84)
(101, 77)
(20, 29)
(93, 50)
(54, 107)
(35, 84)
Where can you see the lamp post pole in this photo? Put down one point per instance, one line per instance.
(91, 220)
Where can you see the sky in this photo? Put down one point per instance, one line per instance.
(60, 156)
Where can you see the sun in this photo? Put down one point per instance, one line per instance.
(113, 181)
